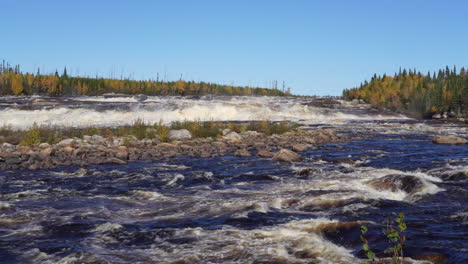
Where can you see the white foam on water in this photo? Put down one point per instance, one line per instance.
(180, 109)
(106, 227)
(4, 205)
(147, 195)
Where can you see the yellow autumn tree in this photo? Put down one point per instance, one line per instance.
(180, 87)
(17, 85)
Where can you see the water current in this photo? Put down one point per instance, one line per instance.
(233, 209)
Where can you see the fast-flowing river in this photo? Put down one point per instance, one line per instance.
(232, 209)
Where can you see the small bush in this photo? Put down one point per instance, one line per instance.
(162, 131)
(139, 129)
(32, 137)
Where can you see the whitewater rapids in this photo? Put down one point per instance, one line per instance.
(22, 113)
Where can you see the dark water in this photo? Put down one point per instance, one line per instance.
(243, 210)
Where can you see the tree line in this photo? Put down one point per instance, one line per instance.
(411, 92)
(15, 82)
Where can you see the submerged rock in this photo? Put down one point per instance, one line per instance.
(344, 160)
(395, 182)
(432, 257)
(287, 156)
(460, 175)
(140, 97)
(451, 140)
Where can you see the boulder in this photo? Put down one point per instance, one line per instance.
(394, 182)
(122, 154)
(46, 151)
(97, 140)
(226, 131)
(115, 161)
(180, 134)
(44, 145)
(7, 146)
(68, 149)
(12, 160)
(264, 153)
(451, 140)
(242, 153)
(66, 142)
(233, 136)
(287, 156)
(299, 147)
(251, 133)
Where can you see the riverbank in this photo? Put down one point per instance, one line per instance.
(96, 149)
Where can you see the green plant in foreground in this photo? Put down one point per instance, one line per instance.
(162, 131)
(370, 255)
(394, 234)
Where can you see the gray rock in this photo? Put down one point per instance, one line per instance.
(242, 153)
(44, 145)
(226, 131)
(7, 146)
(37, 156)
(97, 140)
(46, 151)
(251, 133)
(233, 136)
(12, 160)
(66, 142)
(181, 134)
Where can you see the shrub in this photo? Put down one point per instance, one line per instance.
(162, 131)
(139, 129)
(32, 137)
(394, 233)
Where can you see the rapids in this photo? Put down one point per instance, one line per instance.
(23, 112)
(233, 209)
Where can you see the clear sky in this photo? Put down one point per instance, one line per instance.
(316, 47)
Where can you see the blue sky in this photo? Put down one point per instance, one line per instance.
(316, 47)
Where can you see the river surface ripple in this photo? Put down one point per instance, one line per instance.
(245, 210)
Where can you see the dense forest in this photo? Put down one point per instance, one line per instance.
(15, 82)
(414, 93)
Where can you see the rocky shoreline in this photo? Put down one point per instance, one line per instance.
(120, 150)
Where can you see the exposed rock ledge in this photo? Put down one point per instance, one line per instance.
(98, 150)
(451, 140)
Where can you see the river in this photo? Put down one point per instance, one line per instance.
(236, 209)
